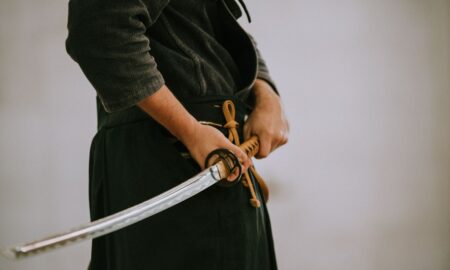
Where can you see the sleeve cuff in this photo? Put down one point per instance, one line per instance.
(133, 95)
(266, 77)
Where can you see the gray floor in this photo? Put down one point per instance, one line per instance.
(364, 182)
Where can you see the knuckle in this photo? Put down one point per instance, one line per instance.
(285, 136)
(276, 140)
(279, 141)
(264, 152)
(279, 138)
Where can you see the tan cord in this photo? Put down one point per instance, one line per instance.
(231, 124)
(230, 114)
(251, 147)
(262, 183)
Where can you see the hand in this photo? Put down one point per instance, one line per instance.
(200, 140)
(203, 139)
(267, 120)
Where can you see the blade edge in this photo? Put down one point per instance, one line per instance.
(119, 220)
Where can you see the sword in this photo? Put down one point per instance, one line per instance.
(224, 163)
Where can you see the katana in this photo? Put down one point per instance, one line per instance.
(224, 163)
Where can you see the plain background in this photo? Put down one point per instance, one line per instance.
(364, 183)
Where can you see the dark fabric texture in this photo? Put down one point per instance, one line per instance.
(128, 49)
(133, 159)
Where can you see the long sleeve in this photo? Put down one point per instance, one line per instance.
(107, 39)
(263, 71)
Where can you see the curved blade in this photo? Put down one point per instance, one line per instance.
(122, 219)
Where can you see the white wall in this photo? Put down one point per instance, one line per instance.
(364, 182)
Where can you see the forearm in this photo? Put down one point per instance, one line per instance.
(199, 139)
(165, 108)
(263, 92)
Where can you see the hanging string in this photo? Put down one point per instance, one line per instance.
(246, 10)
(231, 124)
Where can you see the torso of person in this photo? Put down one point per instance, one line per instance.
(201, 49)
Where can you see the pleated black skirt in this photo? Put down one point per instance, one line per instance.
(132, 159)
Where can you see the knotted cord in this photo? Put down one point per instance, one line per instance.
(229, 113)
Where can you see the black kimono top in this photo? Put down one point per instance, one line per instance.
(128, 49)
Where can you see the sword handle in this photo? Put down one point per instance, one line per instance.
(250, 146)
(227, 162)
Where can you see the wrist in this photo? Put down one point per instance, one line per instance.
(263, 92)
(187, 133)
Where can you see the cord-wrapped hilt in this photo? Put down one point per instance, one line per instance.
(228, 163)
(250, 146)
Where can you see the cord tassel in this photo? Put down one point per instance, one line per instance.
(229, 113)
(254, 200)
(262, 183)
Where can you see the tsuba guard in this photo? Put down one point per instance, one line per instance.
(230, 161)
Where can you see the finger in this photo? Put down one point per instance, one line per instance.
(243, 158)
(285, 138)
(234, 175)
(277, 140)
(264, 147)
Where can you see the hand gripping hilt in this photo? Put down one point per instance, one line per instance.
(229, 163)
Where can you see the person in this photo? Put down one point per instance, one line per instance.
(163, 72)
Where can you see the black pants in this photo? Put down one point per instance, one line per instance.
(133, 159)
